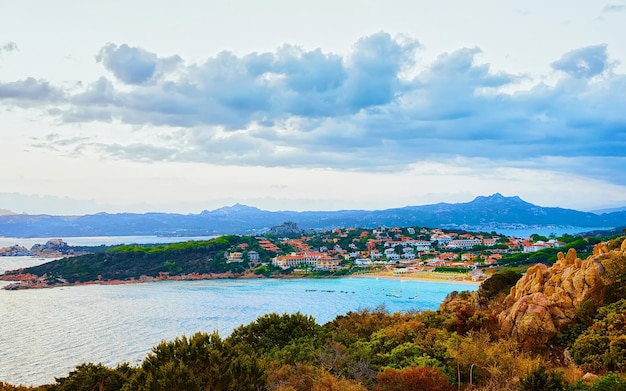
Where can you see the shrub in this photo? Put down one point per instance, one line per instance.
(541, 379)
(413, 378)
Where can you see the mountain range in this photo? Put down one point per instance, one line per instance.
(485, 213)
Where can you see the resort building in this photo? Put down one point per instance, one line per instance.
(311, 259)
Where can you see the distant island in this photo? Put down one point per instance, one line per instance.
(484, 213)
(53, 248)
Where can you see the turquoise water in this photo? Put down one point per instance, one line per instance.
(46, 333)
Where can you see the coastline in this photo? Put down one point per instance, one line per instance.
(460, 278)
(24, 281)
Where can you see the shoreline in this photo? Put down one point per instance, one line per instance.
(421, 276)
(21, 281)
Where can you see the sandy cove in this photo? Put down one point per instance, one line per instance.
(461, 278)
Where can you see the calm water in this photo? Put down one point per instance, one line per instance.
(14, 263)
(46, 333)
(558, 231)
(99, 240)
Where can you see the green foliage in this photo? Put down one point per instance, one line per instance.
(358, 326)
(133, 261)
(566, 337)
(541, 379)
(610, 382)
(537, 238)
(499, 283)
(273, 332)
(202, 362)
(614, 264)
(445, 269)
(602, 347)
(88, 377)
(10, 387)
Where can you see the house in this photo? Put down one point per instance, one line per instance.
(447, 256)
(420, 245)
(254, 257)
(468, 257)
(489, 242)
(375, 254)
(327, 263)
(235, 256)
(441, 239)
(393, 256)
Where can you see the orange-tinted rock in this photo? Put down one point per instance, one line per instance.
(546, 299)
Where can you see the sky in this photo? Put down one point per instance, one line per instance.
(192, 105)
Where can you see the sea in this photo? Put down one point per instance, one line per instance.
(45, 333)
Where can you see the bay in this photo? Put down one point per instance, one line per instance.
(45, 333)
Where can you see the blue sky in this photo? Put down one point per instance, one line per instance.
(162, 106)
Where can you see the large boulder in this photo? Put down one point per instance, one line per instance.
(546, 299)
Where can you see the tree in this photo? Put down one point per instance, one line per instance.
(88, 377)
(201, 362)
(272, 332)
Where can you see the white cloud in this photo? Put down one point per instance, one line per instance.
(356, 98)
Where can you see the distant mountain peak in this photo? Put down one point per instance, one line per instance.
(6, 212)
(496, 197)
(236, 208)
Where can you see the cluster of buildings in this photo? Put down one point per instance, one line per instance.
(408, 248)
(404, 250)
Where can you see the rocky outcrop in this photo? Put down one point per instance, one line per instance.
(14, 251)
(546, 299)
(287, 229)
(52, 248)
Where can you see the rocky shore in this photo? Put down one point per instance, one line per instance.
(30, 281)
(53, 248)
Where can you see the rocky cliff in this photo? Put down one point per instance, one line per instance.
(546, 299)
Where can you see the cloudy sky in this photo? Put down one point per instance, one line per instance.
(310, 105)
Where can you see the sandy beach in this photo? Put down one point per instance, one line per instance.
(425, 276)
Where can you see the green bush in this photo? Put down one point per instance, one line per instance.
(541, 379)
